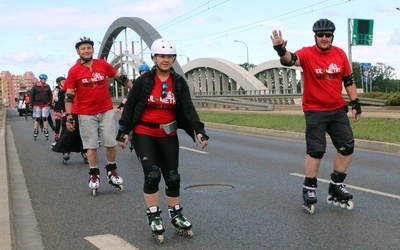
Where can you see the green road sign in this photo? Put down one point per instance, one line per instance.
(362, 32)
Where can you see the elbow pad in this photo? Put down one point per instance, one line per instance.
(293, 59)
(348, 80)
(123, 80)
(69, 98)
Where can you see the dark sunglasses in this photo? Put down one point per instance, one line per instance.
(327, 35)
(164, 90)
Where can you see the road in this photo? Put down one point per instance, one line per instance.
(241, 192)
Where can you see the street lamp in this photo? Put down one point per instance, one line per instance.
(247, 49)
(187, 58)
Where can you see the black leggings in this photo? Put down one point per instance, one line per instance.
(162, 152)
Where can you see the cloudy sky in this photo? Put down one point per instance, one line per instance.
(39, 36)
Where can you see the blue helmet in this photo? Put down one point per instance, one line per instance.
(144, 67)
(43, 76)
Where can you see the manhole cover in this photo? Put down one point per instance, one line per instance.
(208, 188)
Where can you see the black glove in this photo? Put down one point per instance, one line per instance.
(355, 104)
(120, 136)
(204, 137)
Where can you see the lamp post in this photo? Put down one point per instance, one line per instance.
(187, 58)
(247, 49)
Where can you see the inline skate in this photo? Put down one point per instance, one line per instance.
(338, 194)
(66, 157)
(180, 222)
(46, 133)
(56, 137)
(35, 134)
(113, 178)
(94, 180)
(84, 156)
(155, 223)
(309, 198)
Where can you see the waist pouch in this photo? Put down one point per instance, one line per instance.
(168, 128)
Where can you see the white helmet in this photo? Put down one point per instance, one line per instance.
(162, 46)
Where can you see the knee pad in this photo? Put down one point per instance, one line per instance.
(174, 180)
(347, 148)
(37, 119)
(151, 180)
(317, 155)
(173, 183)
(44, 119)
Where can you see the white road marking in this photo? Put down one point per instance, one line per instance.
(394, 196)
(195, 150)
(109, 242)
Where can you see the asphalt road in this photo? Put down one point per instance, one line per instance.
(241, 192)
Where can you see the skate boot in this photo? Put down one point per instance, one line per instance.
(155, 223)
(65, 157)
(35, 133)
(46, 133)
(309, 198)
(181, 224)
(113, 178)
(94, 180)
(84, 156)
(338, 194)
(309, 194)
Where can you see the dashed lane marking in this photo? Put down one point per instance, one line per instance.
(394, 196)
(194, 150)
(109, 242)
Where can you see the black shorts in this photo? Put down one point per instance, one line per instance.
(336, 123)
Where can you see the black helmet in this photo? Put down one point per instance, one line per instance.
(82, 40)
(59, 79)
(324, 24)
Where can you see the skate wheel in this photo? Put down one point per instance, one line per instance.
(343, 204)
(329, 199)
(189, 233)
(65, 162)
(335, 203)
(121, 188)
(94, 191)
(158, 237)
(310, 208)
(350, 205)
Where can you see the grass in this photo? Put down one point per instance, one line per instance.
(367, 128)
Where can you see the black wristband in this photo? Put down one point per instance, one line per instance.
(355, 104)
(121, 105)
(280, 50)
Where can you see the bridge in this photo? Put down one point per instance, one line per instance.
(213, 81)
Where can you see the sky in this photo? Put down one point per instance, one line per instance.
(40, 35)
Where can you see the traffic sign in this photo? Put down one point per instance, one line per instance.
(362, 32)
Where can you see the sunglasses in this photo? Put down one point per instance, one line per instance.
(327, 35)
(164, 90)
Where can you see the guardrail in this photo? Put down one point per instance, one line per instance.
(259, 101)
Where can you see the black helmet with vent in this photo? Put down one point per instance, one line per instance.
(324, 24)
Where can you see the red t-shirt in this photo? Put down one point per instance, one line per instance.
(158, 110)
(323, 78)
(91, 86)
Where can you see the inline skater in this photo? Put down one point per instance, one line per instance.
(41, 98)
(88, 81)
(326, 70)
(158, 103)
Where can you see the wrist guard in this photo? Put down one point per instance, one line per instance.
(69, 98)
(120, 136)
(123, 80)
(121, 105)
(280, 49)
(204, 137)
(355, 104)
(70, 120)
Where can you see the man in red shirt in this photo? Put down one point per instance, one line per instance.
(326, 70)
(88, 80)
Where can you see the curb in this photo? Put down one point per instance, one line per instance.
(7, 230)
(363, 144)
